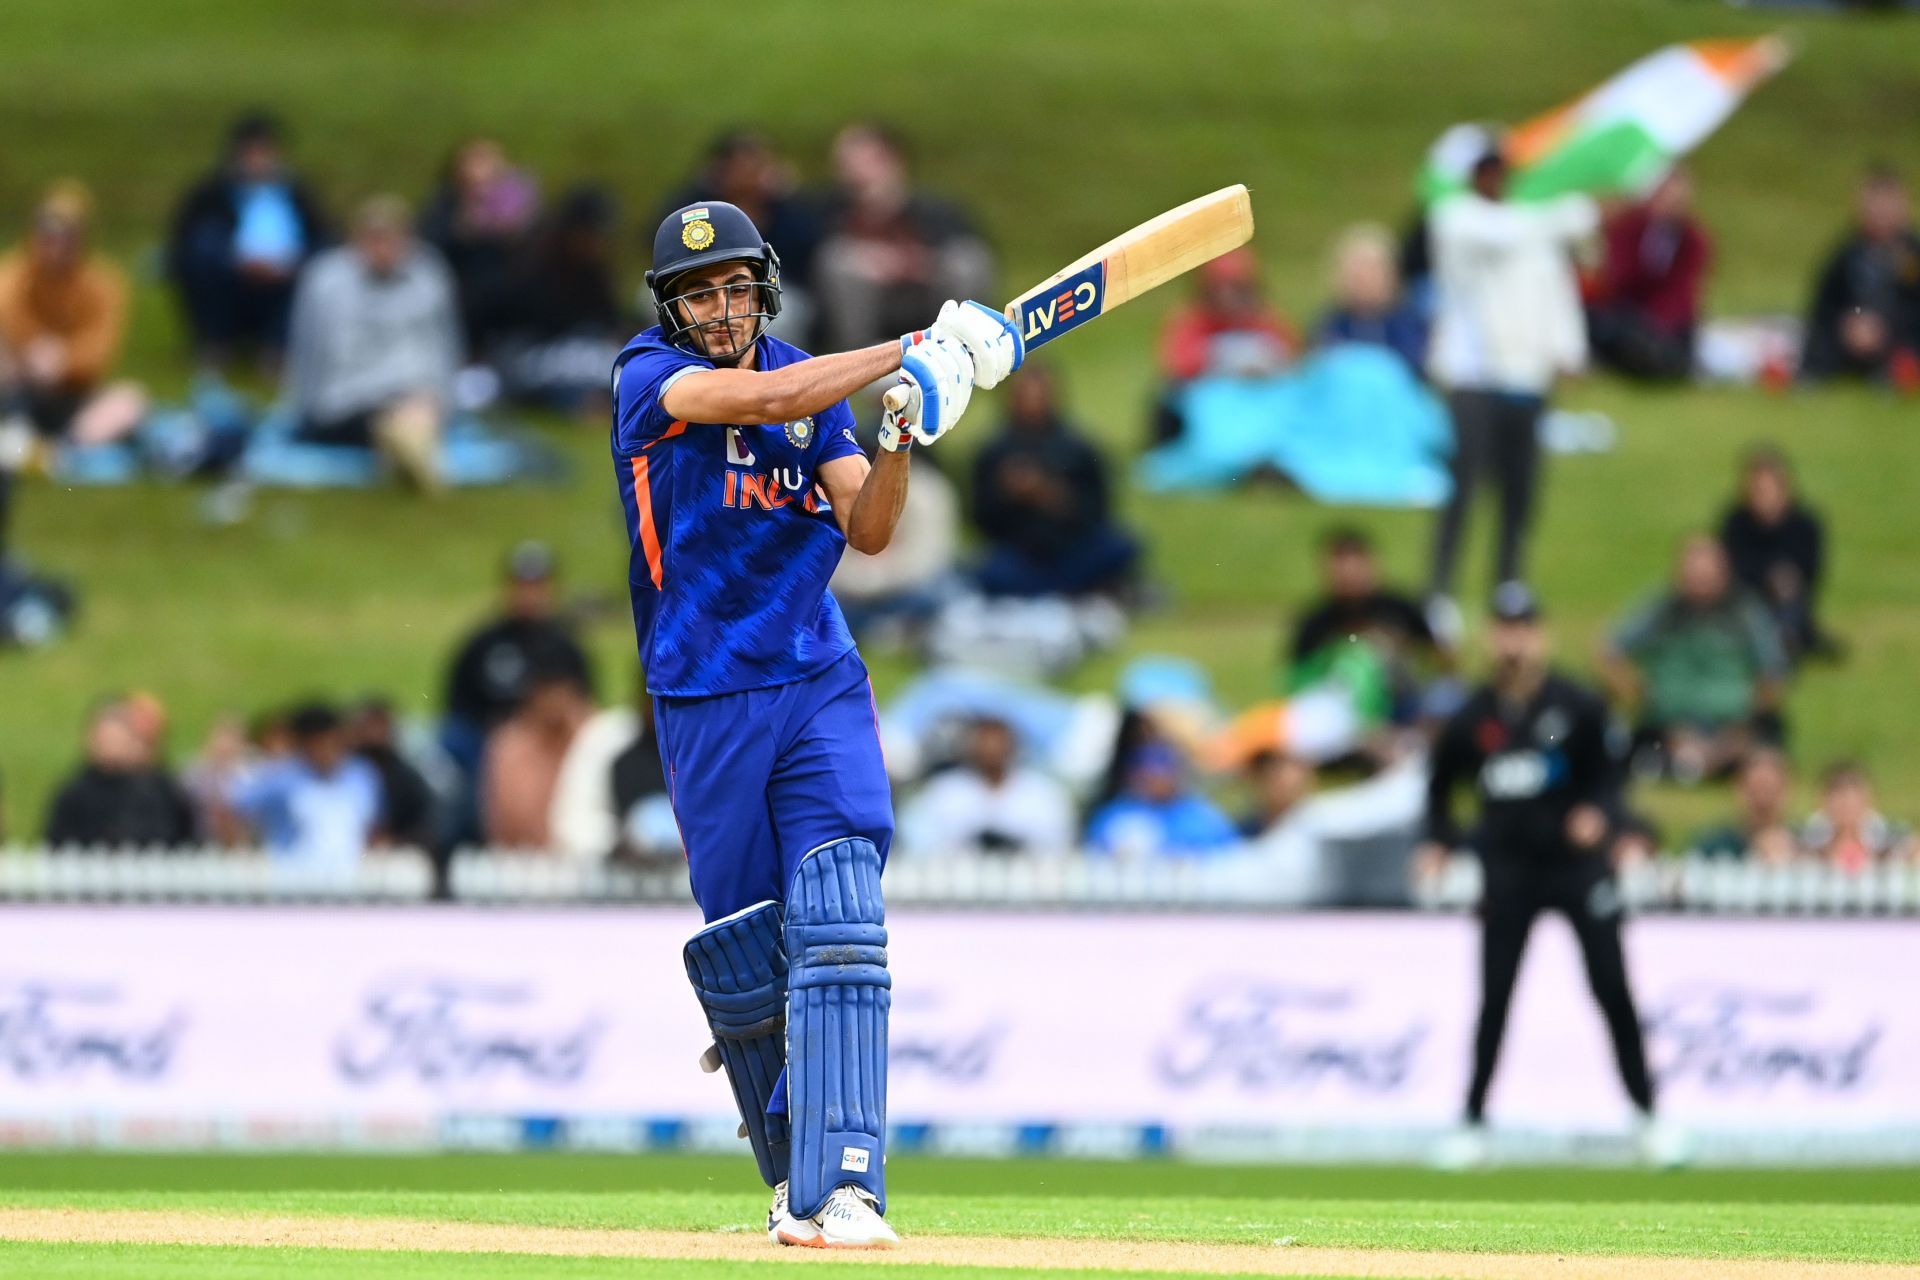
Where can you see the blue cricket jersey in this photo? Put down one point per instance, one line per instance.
(732, 544)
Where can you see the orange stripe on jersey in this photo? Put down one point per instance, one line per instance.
(678, 426)
(643, 509)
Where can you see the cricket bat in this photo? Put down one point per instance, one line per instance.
(1125, 267)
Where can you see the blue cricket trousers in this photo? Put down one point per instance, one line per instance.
(759, 778)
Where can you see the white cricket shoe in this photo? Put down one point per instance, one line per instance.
(1463, 1149)
(848, 1220)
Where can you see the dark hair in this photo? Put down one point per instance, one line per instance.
(1338, 538)
(729, 143)
(1880, 173)
(254, 126)
(311, 719)
(1845, 769)
(1766, 456)
(885, 134)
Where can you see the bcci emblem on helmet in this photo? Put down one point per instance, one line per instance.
(696, 232)
(800, 434)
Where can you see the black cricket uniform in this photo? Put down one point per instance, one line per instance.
(1531, 764)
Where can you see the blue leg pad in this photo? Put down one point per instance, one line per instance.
(837, 1024)
(738, 967)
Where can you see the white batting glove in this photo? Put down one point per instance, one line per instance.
(990, 338)
(937, 376)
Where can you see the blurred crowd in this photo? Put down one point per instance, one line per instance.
(379, 330)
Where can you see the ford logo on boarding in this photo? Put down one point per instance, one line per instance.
(441, 1029)
(51, 1029)
(1266, 1036)
(1731, 1038)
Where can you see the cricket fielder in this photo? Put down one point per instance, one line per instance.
(737, 466)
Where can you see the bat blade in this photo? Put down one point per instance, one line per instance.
(1130, 264)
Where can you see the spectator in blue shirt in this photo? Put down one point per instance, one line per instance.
(1158, 813)
(239, 238)
(320, 805)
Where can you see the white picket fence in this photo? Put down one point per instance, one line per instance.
(1243, 882)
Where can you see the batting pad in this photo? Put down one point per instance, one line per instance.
(738, 967)
(837, 1024)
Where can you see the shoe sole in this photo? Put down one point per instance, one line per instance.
(821, 1242)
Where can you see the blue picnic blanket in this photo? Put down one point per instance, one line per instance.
(1350, 425)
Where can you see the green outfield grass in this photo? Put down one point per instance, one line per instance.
(1863, 1215)
(1079, 120)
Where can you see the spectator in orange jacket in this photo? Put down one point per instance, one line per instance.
(1227, 328)
(63, 313)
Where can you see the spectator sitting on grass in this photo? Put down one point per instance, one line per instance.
(1759, 831)
(1778, 550)
(989, 802)
(1041, 500)
(374, 344)
(1641, 318)
(1702, 667)
(892, 254)
(408, 807)
(63, 313)
(477, 218)
(318, 806)
(488, 678)
(1227, 328)
(1367, 306)
(1864, 321)
(1279, 783)
(1356, 607)
(520, 773)
(558, 320)
(1846, 832)
(238, 240)
(121, 798)
(1159, 813)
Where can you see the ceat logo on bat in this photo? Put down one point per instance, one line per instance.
(1073, 301)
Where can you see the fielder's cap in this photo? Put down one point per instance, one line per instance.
(1515, 602)
(531, 562)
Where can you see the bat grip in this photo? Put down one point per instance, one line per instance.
(898, 397)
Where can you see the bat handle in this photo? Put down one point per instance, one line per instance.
(898, 397)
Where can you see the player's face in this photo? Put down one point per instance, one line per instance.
(1517, 647)
(717, 303)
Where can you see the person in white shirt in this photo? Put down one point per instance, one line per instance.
(1507, 323)
(989, 803)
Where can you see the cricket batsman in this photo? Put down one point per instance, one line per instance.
(735, 457)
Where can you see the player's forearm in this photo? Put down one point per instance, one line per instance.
(876, 511)
(811, 386)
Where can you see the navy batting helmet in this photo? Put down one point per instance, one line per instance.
(700, 235)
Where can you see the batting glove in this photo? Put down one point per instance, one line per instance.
(990, 338)
(937, 376)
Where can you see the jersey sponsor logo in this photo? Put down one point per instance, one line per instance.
(1515, 775)
(1071, 303)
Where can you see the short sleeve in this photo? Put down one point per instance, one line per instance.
(639, 419)
(837, 436)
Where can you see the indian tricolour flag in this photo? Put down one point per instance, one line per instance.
(1621, 136)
